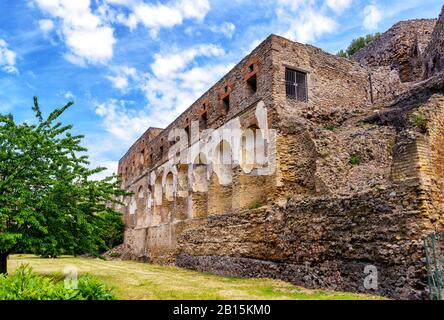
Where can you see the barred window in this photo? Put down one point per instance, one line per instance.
(296, 84)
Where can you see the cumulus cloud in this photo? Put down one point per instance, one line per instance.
(155, 16)
(46, 25)
(7, 58)
(338, 6)
(165, 65)
(372, 17)
(122, 76)
(226, 28)
(89, 40)
(69, 95)
(302, 21)
(124, 123)
(176, 81)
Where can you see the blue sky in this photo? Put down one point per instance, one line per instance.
(131, 64)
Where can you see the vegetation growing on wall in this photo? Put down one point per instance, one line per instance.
(358, 44)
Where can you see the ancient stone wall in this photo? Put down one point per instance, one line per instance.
(400, 48)
(319, 242)
(328, 240)
(434, 53)
(337, 182)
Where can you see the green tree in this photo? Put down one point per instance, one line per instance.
(49, 203)
(358, 44)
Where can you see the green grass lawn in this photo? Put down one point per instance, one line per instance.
(134, 280)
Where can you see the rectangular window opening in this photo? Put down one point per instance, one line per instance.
(142, 156)
(203, 121)
(252, 84)
(296, 85)
(187, 130)
(226, 103)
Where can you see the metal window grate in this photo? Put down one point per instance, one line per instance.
(296, 84)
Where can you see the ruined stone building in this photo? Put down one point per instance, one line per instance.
(301, 165)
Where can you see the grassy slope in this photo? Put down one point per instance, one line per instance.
(133, 280)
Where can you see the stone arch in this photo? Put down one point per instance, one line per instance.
(140, 206)
(199, 174)
(158, 191)
(222, 162)
(182, 181)
(182, 193)
(252, 150)
(199, 186)
(220, 189)
(249, 187)
(169, 187)
(132, 210)
(157, 209)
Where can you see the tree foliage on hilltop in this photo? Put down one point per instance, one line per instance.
(358, 44)
(49, 203)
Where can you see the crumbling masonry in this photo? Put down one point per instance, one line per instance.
(336, 164)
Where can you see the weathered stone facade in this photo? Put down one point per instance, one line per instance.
(350, 176)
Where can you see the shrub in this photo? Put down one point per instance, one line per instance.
(25, 284)
(358, 44)
(255, 205)
(114, 255)
(330, 127)
(420, 121)
(355, 159)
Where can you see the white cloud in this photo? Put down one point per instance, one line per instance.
(46, 25)
(89, 40)
(121, 77)
(99, 147)
(176, 80)
(372, 17)
(155, 16)
(226, 28)
(165, 65)
(174, 83)
(302, 21)
(118, 82)
(124, 123)
(69, 95)
(338, 6)
(7, 58)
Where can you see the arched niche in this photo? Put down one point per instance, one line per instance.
(199, 174)
(140, 206)
(182, 193)
(169, 187)
(182, 181)
(158, 191)
(220, 191)
(199, 187)
(252, 151)
(157, 201)
(222, 162)
(249, 187)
